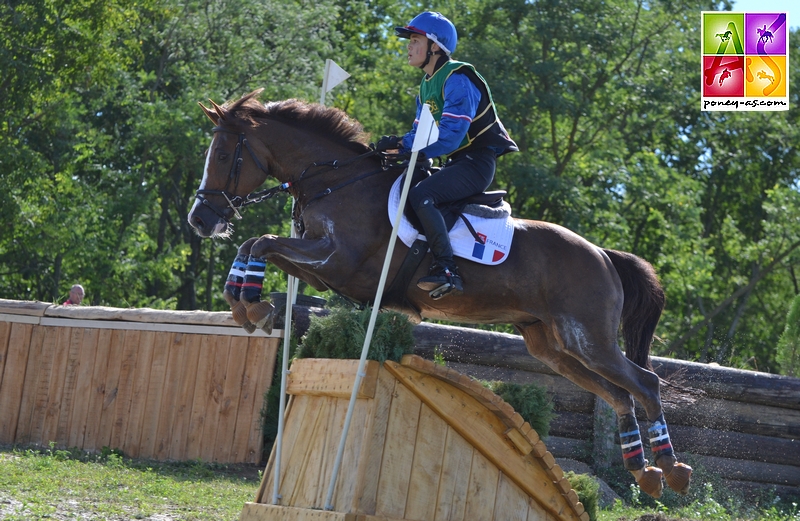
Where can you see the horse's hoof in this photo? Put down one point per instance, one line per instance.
(249, 327)
(238, 310)
(261, 314)
(649, 480)
(679, 477)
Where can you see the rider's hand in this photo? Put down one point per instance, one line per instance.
(386, 143)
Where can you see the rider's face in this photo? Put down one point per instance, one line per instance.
(417, 50)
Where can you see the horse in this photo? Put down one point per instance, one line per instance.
(567, 297)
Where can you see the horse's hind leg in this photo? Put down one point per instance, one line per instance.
(588, 347)
(545, 346)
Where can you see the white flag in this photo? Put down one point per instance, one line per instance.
(334, 75)
(427, 131)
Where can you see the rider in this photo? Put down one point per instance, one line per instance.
(470, 135)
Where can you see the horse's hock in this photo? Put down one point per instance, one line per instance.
(426, 442)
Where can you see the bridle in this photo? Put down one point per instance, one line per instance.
(235, 202)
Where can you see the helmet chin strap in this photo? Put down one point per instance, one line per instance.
(430, 53)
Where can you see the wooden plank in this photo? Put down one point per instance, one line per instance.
(537, 513)
(69, 399)
(369, 470)
(297, 414)
(13, 370)
(42, 385)
(262, 512)
(5, 332)
(511, 502)
(484, 431)
(456, 466)
(230, 399)
(355, 449)
(110, 390)
(426, 468)
(169, 396)
(244, 417)
(266, 365)
(296, 455)
(396, 464)
(214, 394)
(323, 377)
(183, 405)
(202, 397)
(164, 328)
(139, 386)
(91, 437)
(56, 388)
(154, 396)
(83, 390)
(29, 387)
(482, 491)
(119, 425)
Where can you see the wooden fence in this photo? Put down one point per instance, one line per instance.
(154, 384)
(743, 426)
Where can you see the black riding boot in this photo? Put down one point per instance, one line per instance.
(443, 278)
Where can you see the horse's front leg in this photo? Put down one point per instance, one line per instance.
(245, 282)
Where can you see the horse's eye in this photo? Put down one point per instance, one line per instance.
(222, 156)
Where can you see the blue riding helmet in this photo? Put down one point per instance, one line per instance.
(435, 27)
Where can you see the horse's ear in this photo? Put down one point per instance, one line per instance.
(213, 116)
(220, 110)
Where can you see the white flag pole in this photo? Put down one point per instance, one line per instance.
(291, 297)
(427, 133)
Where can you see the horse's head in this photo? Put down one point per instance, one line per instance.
(235, 167)
(252, 141)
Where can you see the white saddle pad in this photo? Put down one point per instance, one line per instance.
(496, 233)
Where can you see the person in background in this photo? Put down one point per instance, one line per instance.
(471, 135)
(76, 294)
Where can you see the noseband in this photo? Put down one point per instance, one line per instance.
(234, 201)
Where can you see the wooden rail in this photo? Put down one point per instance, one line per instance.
(153, 384)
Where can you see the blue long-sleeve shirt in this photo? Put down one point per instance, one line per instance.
(460, 106)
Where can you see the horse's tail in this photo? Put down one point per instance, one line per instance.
(642, 307)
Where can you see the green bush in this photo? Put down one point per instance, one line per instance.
(341, 335)
(588, 490)
(531, 402)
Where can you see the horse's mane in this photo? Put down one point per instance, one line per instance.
(327, 121)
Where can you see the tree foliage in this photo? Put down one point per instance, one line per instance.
(102, 143)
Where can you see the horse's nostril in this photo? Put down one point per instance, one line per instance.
(197, 221)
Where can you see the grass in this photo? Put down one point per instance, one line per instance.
(61, 485)
(69, 485)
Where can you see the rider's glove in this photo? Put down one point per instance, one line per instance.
(386, 143)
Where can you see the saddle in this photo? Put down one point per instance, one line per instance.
(489, 204)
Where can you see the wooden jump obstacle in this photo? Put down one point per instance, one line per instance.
(164, 385)
(426, 443)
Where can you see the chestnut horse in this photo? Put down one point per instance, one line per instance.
(566, 296)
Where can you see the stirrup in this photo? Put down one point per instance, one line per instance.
(441, 281)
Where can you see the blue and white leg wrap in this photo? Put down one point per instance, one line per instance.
(631, 442)
(233, 284)
(659, 439)
(254, 278)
